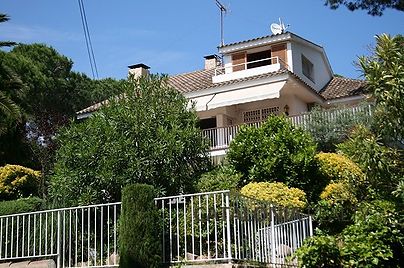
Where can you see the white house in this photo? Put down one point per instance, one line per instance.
(249, 80)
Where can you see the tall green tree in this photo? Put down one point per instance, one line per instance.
(384, 72)
(373, 7)
(10, 112)
(50, 98)
(146, 135)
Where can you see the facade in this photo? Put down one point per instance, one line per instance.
(249, 80)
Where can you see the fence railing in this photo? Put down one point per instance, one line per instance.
(224, 226)
(74, 237)
(221, 137)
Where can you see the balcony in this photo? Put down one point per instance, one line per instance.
(221, 137)
(249, 68)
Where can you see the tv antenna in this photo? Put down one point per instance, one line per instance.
(223, 11)
(279, 28)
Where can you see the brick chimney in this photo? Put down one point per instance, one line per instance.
(211, 61)
(138, 70)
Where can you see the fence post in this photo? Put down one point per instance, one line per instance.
(310, 226)
(228, 226)
(272, 235)
(58, 262)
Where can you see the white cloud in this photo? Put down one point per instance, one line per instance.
(28, 34)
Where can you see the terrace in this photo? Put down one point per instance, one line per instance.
(221, 137)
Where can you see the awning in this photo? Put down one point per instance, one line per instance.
(200, 102)
(238, 96)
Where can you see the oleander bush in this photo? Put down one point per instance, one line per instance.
(18, 182)
(382, 165)
(277, 193)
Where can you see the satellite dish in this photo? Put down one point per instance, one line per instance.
(276, 28)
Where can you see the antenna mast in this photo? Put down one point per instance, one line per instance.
(223, 11)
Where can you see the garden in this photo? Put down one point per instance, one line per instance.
(349, 175)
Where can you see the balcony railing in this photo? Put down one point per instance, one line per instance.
(249, 68)
(221, 137)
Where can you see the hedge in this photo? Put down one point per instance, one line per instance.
(139, 228)
(21, 206)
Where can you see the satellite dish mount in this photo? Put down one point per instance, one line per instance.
(279, 28)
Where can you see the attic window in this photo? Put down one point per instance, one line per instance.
(308, 68)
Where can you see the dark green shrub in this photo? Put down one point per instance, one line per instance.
(376, 239)
(222, 177)
(139, 228)
(382, 165)
(18, 181)
(21, 205)
(276, 151)
(332, 218)
(319, 251)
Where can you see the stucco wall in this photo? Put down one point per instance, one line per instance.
(322, 73)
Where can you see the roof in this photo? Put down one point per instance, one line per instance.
(199, 80)
(270, 36)
(341, 87)
(338, 87)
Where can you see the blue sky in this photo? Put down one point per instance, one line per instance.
(173, 36)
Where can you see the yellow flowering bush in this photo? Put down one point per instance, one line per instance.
(338, 168)
(277, 193)
(18, 181)
(338, 192)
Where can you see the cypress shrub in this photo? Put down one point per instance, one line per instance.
(21, 205)
(139, 228)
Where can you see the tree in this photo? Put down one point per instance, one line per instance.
(146, 135)
(51, 95)
(10, 112)
(4, 18)
(276, 151)
(384, 72)
(373, 7)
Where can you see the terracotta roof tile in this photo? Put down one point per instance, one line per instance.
(340, 87)
(200, 80)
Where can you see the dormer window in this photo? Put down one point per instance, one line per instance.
(307, 68)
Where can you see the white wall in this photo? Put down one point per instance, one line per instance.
(322, 73)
